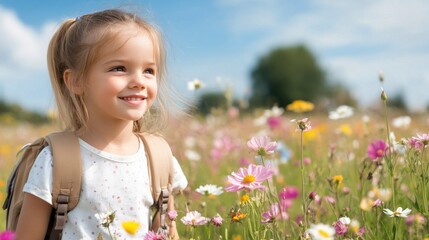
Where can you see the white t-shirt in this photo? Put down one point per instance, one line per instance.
(109, 183)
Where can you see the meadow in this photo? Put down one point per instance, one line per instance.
(294, 173)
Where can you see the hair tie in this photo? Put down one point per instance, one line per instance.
(77, 19)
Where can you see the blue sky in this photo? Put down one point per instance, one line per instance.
(220, 41)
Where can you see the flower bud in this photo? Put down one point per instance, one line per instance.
(383, 95)
(381, 77)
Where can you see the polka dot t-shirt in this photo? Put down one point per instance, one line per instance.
(110, 183)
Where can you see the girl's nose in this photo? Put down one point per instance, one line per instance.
(138, 81)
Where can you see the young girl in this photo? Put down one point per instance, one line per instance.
(107, 69)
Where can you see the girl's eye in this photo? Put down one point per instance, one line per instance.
(118, 69)
(149, 71)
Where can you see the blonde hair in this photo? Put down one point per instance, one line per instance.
(77, 44)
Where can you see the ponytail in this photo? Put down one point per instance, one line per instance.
(71, 109)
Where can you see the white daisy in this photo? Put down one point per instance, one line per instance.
(209, 190)
(194, 84)
(321, 232)
(398, 213)
(342, 111)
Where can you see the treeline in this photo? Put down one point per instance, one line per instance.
(11, 113)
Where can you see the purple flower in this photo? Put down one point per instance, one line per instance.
(340, 228)
(248, 178)
(7, 235)
(217, 220)
(289, 193)
(377, 149)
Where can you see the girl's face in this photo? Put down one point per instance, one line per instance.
(122, 83)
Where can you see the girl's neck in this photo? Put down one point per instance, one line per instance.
(116, 139)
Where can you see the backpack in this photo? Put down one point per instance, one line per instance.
(67, 174)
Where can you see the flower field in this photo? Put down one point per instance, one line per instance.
(293, 173)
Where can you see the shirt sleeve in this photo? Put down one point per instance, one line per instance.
(179, 179)
(39, 182)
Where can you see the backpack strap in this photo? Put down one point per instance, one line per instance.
(160, 166)
(67, 177)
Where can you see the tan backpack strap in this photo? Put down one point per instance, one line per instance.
(160, 166)
(67, 175)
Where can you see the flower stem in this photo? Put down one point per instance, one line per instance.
(302, 183)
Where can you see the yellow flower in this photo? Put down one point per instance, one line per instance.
(338, 179)
(245, 199)
(131, 227)
(236, 237)
(346, 129)
(300, 106)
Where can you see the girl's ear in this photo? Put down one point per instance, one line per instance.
(70, 80)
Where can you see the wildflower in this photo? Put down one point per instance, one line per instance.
(377, 203)
(337, 180)
(321, 231)
(417, 218)
(154, 236)
(271, 215)
(262, 145)
(194, 218)
(312, 195)
(398, 213)
(237, 216)
(289, 193)
(130, 227)
(7, 235)
(209, 190)
(274, 122)
(401, 122)
(172, 215)
(248, 178)
(340, 228)
(302, 125)
(194, 85)
(383, 95)
(342, 111)
(106, 219)
(300, 106)
(217, 220)
(377, 149)
(345, 129)
(192, 155)
(329, 199)
(245, 199)
(423, 139)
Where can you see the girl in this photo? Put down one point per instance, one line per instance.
(106, 70)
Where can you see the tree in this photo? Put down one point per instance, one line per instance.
(287, 74)
(211, 100)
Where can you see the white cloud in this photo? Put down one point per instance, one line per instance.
(23, 70)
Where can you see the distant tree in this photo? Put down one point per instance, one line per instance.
(397, 101)
(19, 114)
(287, 74)
(211, 100)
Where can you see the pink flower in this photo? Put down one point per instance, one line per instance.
(248, 178)
(377, 149)
(302, 125)
(172, 215)
(217, 220)
(289, 193)
(154, 236)
(274, 122)
(340, 228)
(194, 218)
(7, 235)
(272, 214)
(419, 142)
(262, 145)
